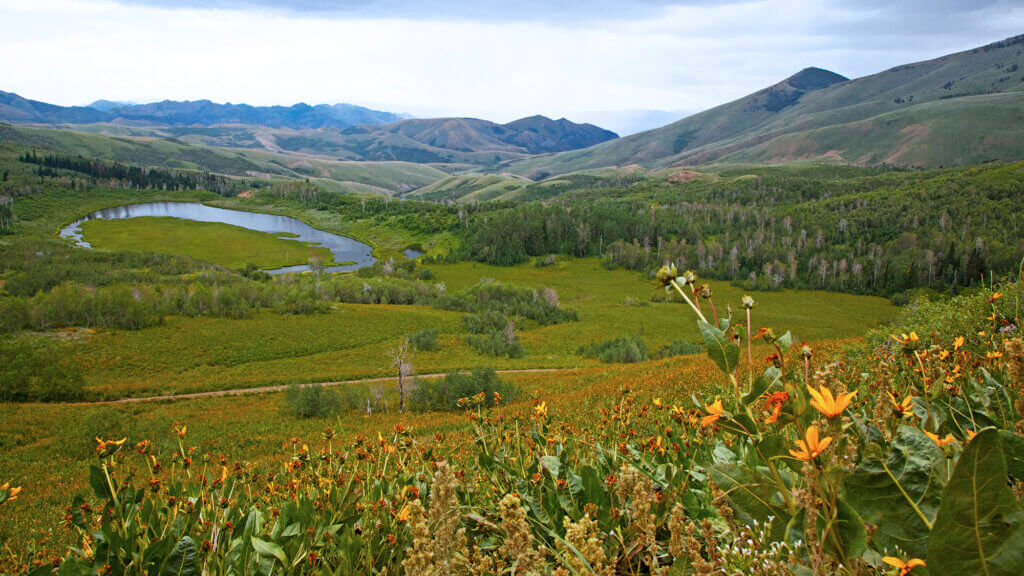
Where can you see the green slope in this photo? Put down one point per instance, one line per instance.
(946, 94)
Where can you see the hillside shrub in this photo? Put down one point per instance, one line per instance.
(497, 342)
(679, 348)
(38, 370)
(484, 322)
(315, 401)
(621, 350)
(425, 340)
(444, 393)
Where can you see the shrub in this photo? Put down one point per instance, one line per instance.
(679, 348)
(313, 401)
(484, 322)
(619, 350)
(545, 261)
(503, 342)
(37, 370)
(444, 393)
(424, 339)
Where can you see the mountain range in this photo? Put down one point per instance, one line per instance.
(18, 110)
(962, 108)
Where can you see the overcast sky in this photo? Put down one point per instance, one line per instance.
(496, 60)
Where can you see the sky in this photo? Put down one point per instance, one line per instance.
(618, 64)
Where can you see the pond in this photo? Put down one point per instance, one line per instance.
(352, 253)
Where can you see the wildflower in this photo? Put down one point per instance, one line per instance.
(993, 355)
(958, 343)
(666, 275)
(689, 276)
(940, 442)
(806, 351)
(677, 412)
(904, 409)
(811, 446)
(541, 410)
(773, 404)
(826, 404)
(497, 398)
(747, 302)
(995, 296)
(8, 494)
(909, 342)
(704, 291)
(106, 448)
(180, 431)
(905, 567)
(774, 359)
(143, 447)
(970, 434)
(657, 402)
(715, 412)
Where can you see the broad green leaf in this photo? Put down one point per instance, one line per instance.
(1013, 450)
(720, 348)
(752, 495)
(763, 383)
(552, 464)
(786, 340)
(98, 481)
(885, 492)
(851, 529)
(182, 561)
(980, 525)
(264, 548)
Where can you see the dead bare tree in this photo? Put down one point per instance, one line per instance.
(401, 357)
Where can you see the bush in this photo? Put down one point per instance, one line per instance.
(444, 393)
(37, 370)
(679, 348)
(620, 350)
(545, 261)
(311, 401)
(484, 322)
(503, 342)
(424, 340)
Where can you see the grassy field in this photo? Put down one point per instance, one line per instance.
(223, 244)
(198, 354)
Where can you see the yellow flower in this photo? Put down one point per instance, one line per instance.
(994, 355)
(657, 402)
(970, 434)
(995, 296)
(826, 404)
(541, 409)
(8, 494)
(181, 431)
(811, 446)
(905, 567)
(909, 342)
(940, 442)
(943, 354)
(108, 447)
(958, 343)
(715, 412)
(905, 408)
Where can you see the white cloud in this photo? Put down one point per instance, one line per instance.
(681, 58)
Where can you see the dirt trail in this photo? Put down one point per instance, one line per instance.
(263, 389)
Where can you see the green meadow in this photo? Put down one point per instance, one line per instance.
(222, 244)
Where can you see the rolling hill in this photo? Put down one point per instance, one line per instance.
(959, 109)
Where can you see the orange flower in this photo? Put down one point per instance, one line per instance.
(905, 567)
(541, 410)
(657, 402)
(970, 434)
(940, 442)
(715, 412)
(108, 447)
(943, 354)
(811, 446)
(958, 343)
(180, 431)
(8, 494)
(826, 404)
(995, 296)
(904, 409)
(773, 404)
(909, 342)
(994, 355)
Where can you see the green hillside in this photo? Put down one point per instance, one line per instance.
(344, 176)
(469, 187)
(916, 114)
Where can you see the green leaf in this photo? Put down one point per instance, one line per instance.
(885, 492)
(552, 464)
(786, 341)
(720, 348)
(264, 548)
(182, 561)
(763, 383)
(738, 423)
(980, 525)
(98, 481)
(750, 493)
(851, 529)
(1013, 450)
